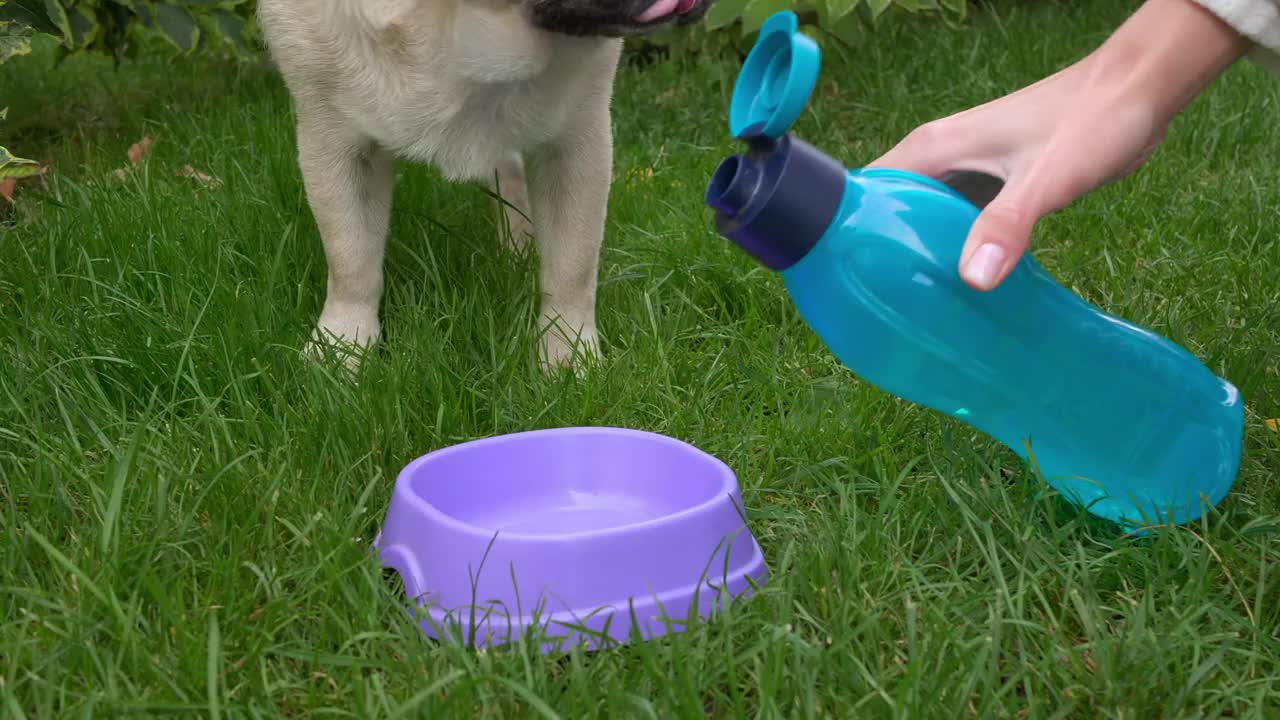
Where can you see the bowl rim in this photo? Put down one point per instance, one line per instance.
(728, 487)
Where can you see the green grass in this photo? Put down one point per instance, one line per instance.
(185, 504)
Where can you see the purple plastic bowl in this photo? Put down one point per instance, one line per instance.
(584, 533)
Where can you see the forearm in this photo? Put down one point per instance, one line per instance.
(1258, 20)
(1165, 55)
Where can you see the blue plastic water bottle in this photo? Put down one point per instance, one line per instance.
(1117, 418)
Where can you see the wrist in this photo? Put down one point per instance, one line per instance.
(1164, 56)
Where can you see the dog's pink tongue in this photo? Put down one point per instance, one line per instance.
(659, 10)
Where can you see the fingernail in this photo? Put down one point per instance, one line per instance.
(983, 268)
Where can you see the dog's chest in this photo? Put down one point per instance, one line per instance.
(466, 118)
(466, 130)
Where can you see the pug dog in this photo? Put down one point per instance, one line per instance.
(511, 93)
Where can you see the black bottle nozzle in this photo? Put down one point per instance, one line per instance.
(776, 200)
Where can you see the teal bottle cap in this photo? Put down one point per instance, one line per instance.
(776, 80)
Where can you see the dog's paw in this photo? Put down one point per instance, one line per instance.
(565, 350)
(348, 336)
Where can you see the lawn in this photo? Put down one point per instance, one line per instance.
(186, 503)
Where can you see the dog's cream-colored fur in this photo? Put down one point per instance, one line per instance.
(473, 88)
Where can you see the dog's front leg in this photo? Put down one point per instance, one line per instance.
(348, 185)
(569, 193)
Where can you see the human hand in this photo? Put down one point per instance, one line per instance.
(1092, 123)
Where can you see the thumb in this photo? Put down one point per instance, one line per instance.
(999, 237)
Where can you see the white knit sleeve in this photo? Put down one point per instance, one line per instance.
(1258, 20)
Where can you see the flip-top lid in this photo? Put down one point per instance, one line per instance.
(776, 80)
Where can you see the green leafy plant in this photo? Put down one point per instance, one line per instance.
(835, 16)
(15, 38)
(11, 169)
(847, 21)
(115, 26)
(16, 167)
(118, 28)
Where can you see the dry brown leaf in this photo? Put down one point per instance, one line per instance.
(1274, 425)
(140, 150)
(7, 187)
(203, 178)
